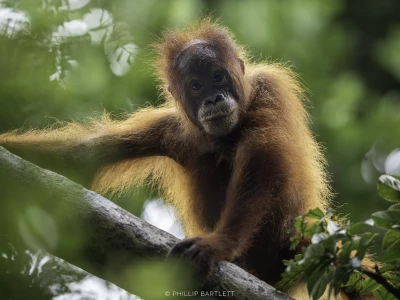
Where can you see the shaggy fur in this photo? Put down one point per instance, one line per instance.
(240, 195)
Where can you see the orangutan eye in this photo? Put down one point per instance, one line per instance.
(218, 77)
(196, 86)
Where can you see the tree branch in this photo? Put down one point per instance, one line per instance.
(107, 234)
(382, 280)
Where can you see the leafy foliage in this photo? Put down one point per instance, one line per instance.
(335, 257)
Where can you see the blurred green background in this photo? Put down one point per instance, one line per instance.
(67, 60)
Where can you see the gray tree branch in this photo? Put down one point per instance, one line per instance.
(107, 236)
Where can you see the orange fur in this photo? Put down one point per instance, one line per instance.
(289, 112)
(241, 198)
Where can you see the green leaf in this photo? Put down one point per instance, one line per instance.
(391, 237)
(387, 268)
(369, 285)
(357, 227)
(320, 286)
(299, 224)
(315, 214)
(389, 187)
(394, 279)
(365, 241)
(395, 207)
(330, 245)
(293, 273)
(286, 283)
(354, 278)
(367, 238)
(344, 254)
(314, 273)
(312, 229)
(358, 285)
(294, 244)
(387, 219)
(340, 276)
(314, 251)
(392, 252)
(382, 294)
(298, 257)
(321, 226)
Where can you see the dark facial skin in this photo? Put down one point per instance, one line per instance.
(209, 96)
